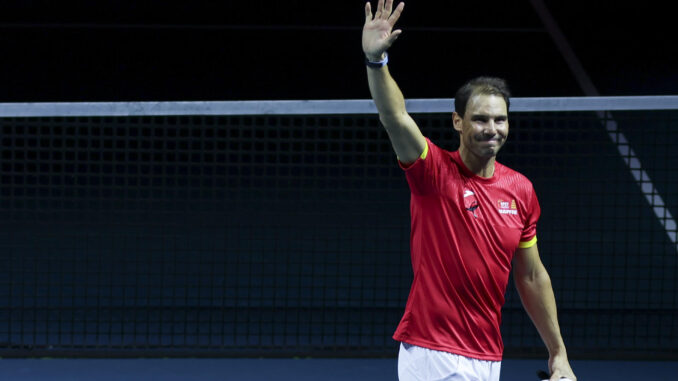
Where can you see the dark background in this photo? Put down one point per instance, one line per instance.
(238, 50)
(288, 235)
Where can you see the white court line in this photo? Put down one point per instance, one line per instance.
(641, 177)
(618, 138)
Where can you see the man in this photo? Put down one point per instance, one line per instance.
(473, 220)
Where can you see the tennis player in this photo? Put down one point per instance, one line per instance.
(473, 220)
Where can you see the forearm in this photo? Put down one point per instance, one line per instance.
(387, 96)
(534, 286)
(539, 301)
(378, 35)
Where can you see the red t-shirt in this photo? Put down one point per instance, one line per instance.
(465, 229)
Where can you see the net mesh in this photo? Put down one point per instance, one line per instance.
(289, 235)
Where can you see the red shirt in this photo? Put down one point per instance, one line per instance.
(465, 229)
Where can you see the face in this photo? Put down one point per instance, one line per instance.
(484, 128)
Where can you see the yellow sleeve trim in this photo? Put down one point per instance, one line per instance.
(530, 243)
(425, 153)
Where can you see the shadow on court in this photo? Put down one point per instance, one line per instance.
(294, 369)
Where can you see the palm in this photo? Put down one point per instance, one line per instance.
(375, 36)
(378, 33)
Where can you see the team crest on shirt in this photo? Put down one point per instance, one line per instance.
(506, 207)
(470, 202)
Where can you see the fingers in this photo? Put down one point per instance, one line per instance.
(561, 377)
(555, 375)
(368, 12)
(384, 11)
(396, 13)
(388, 7)
(380, 10)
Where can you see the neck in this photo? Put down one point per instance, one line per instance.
(480, 166)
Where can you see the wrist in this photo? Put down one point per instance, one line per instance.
(376, 58)
(559, 351)
(376, 62)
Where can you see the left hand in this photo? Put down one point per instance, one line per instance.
(378, 33)
(560, 367)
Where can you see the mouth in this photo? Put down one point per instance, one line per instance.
(492, 145)
(493, 142)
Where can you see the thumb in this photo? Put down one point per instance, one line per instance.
(394, 36)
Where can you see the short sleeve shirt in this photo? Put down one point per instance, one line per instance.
(464, 232)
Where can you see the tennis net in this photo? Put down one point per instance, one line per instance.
(281, 228)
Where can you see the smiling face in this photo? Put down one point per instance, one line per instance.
(484, 128)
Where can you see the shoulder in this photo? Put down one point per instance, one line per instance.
(442, 153)
(514, 179)
(520, 187)
(434, 147)
(439, 156)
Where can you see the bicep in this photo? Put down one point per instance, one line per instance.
(407, 140)
(526, 263)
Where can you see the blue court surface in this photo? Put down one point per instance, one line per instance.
(295, 369)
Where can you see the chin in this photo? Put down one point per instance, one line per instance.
(493, 152)
(485, 153)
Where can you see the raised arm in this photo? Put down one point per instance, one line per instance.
(534, 286)
(378, 36)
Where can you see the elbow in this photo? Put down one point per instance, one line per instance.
(541, 280)
(538, 278)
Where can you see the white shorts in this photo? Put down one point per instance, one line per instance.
(423, 364)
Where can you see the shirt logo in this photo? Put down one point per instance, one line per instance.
(470, 202)
(473, 208)
(506, 207)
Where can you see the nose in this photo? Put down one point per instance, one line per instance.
(490, 128)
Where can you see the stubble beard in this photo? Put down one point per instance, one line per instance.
(488, 151)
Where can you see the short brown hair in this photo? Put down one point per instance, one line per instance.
(480, 85)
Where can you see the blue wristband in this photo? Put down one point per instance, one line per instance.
(378, 64)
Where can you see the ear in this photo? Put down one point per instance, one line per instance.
(457, 121)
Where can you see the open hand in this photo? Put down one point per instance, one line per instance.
(378, 33)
